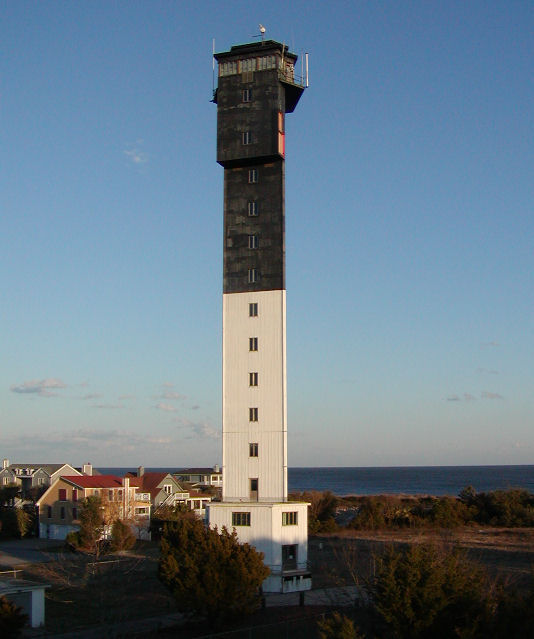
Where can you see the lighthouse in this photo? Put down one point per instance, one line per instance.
(257, 87)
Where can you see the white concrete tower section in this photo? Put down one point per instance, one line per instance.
(256, 88)
(254, 397)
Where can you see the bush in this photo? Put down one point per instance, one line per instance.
(12, 619)
(72, 540)
(122, 537)
(337, 626)
(425, 592)
(209, 572)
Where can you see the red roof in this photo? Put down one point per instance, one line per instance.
(95, 481)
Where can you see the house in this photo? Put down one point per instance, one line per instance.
(163, 489)
(201, 476)
(59, 506)
(29, 476)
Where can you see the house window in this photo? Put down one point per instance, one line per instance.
(110, 495)
(74, 494)
(49, 512)
(253, 450)
(253, 241)
(62, 494)
(290, 519)
(167, 488)
(246, 137)
(252, 414)
(253, 275)
(75, 513)
(252, 343)
(253, 209)
(62, 512)
(253, 309)
(252, 176)
(240, 519)
(253, 379)
(247, 95)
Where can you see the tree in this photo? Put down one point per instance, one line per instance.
(209, 572)
(92, 524)
(337, 626)
(12, 619)
(122, 537)
(427, 592)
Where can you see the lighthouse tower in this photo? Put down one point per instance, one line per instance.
(257, 86)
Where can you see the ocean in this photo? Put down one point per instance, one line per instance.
(409, 480)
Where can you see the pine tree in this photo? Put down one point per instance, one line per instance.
(209, 572)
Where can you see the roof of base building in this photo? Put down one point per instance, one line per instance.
(95, 481)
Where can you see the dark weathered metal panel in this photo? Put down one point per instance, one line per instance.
(261, 119)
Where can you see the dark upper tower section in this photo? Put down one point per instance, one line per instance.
(257, 86)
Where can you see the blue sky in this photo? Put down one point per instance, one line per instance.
(409, 180)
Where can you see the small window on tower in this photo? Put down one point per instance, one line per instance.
(253, 379)
(247, 137)
(252, 343)
(252, 176)
(253, 242)
(253, 309)
(247, 95)
(252, 414)
(253, 450)
(253, 275)
(253, 209)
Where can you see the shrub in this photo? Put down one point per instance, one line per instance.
(337, 626)
(12, 619)
(425, 592)
(209, 572)
(122, 537)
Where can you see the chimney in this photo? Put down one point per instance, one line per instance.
(216, 468)
(126, 484)
(5, 464)
(140, 471)
(87, 469)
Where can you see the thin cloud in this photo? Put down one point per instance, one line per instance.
(169, 408)
(91, 396)
(135, 155)
(126, 397)
(195, 407)
(487, 371)
(490, 395)
(108, 406)
(490, 344)
(466, 397)
(172, 395)
(39, 387)
(201, 430)
(86, 439)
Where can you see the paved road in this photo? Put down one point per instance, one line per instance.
(15, 553)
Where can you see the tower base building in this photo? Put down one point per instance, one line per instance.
(257, 86)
